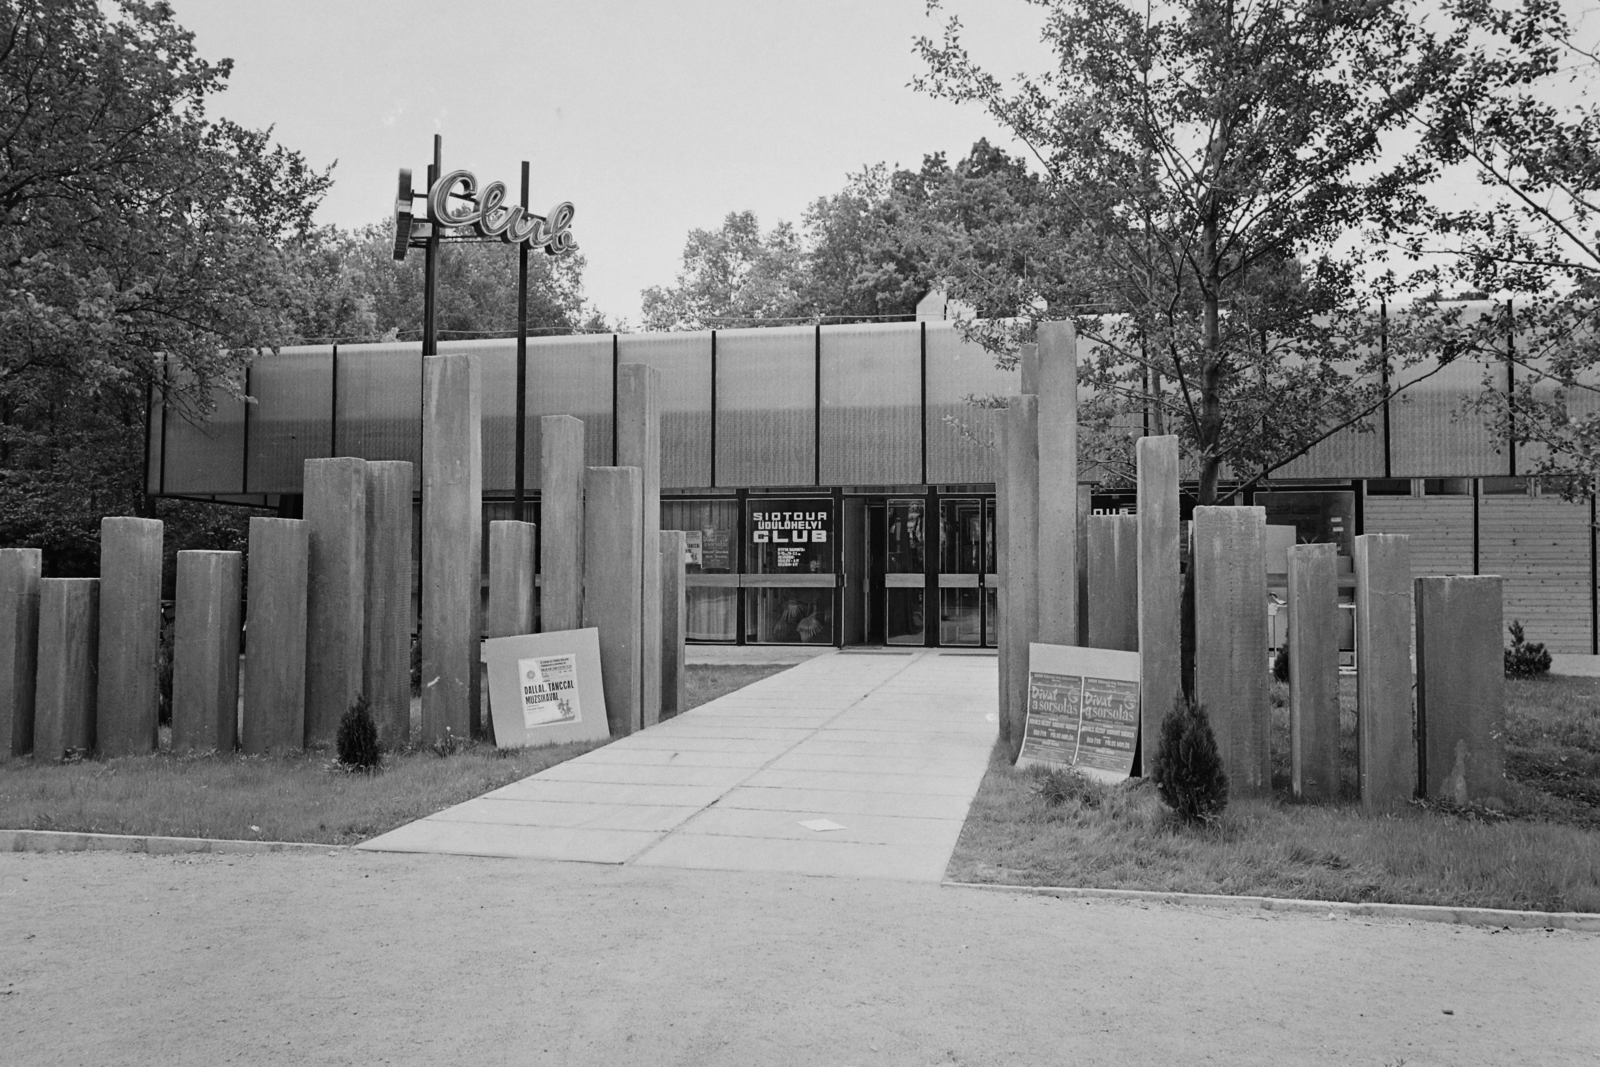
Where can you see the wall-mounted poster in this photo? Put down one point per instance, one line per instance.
(545, 688)
(694, 548)
(1083, 710)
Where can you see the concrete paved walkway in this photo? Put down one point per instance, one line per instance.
(887, 747)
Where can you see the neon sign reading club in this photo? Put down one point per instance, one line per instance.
(486, 213)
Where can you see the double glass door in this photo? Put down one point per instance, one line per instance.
(895, 592)
(967, 602)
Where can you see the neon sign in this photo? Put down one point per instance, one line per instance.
(490, 216)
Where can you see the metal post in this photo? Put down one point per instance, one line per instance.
(430, 274)
(522, 365)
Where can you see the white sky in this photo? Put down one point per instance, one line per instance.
(652, 117)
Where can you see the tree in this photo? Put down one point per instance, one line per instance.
(732, 276)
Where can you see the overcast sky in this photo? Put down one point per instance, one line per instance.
(652, 117)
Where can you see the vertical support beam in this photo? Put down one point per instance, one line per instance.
(205, 652)
(1028, 368)
(275, 647)
(561, 515)
(639, 445)
(1314, 671)
(1085, 508)
(1230, 658)
(511, 561)
(452, 544)
(1460, 689)
(1058, 484)
(336, 589)
(20, 570)
(1160, 591)
(69, 642)
(1002, 568)
(128, 695)
(1113, 599)
(1019, 619)
(613, 587)
(674, 620)
(1384, 748)
(387, 640)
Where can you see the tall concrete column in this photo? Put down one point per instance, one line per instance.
(452, 533)
(386, 648)
(1113, 565)
(511, 563)
(275, 645)
(1019, 620)
(1385, 752)
(69, 641)
(1230, 655)
(561, 514)
(128, 694)
(612, 587)
(205, 652)
(1085, 509)
(19, 646)
(674, 623)
(336, 591)
(1314, 671)
(1461, 711)
(639, 445)
(1160, 591)
(1058, 484)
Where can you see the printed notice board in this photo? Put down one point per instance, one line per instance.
(1083, 710)
(546, 687)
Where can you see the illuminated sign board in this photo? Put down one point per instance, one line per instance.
(484, 211)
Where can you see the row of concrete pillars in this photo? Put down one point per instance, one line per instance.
(1125, 574)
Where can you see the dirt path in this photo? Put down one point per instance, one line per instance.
(368, 958)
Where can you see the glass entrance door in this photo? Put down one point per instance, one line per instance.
(962, 558)
(905, 571)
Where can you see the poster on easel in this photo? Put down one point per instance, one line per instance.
(1083, 710)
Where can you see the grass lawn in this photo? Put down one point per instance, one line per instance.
(1542, 853)
(296, 797)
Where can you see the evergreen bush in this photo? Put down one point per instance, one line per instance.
(1280, 664)
(358, 737)
(1525, 659)
(1188, 767)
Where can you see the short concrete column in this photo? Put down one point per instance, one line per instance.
(1113, 573)
(674, 621)
(205, 652)
(336, 591)
(20, 569)
(1230, 655)
(69, 641)
(387, 639)
(639, 445)
(612, 583)
(561, 514)
(1019, 621)
(1160, 590)
(1058, 484)
(127, 691)
(1461, 711)
(275, 643)
(1385, 750)
(511, 563)
(1314, 671)
(452, 546)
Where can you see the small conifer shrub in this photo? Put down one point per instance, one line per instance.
(1280, 664)
(358, 737)
(1525, 659)
(1188, 767)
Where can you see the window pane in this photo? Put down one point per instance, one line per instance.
(766, 406)
(712, 614)
(904, 616)
(959, 431)
(790, 535)
(684, 360)
(959, 617)
(710, 527)
(903, 553)
(789, 616)
(380, 401)
(872, 404)
(960, 536)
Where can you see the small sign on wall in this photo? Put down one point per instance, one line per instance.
(1083, 710)
(546, 687)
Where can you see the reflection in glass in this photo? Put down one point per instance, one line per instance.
(959, 617)
(960, 536)
(904, 616)
(904, 534)
(790, 616)
(710, 528)
(991, 616)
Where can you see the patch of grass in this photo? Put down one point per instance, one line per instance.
(708, 681)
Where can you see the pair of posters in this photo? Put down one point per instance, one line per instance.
(1083, 710)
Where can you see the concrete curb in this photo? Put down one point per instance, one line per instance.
(1580, 921)
(68, 841)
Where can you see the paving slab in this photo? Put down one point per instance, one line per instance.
(891, 748)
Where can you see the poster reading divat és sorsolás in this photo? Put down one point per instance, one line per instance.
(1083, 710)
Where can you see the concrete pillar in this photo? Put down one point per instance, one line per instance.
(1160, 590)
(1113, 600)
(674, 623)
(19, 646)
(1019, 620)
(612, 583)
(1058, 484)
(1461, 711)
(561, 514)
(452, 546)
(639, 445)
(511, 563)
(127, 691)
(336, 592)
(1028, 367)
(1314, 671)
(205, 652)
(1085, 508)
(1385, 750)
(69, 642)
(275, 643)
(386, 649)
(1230, 656)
